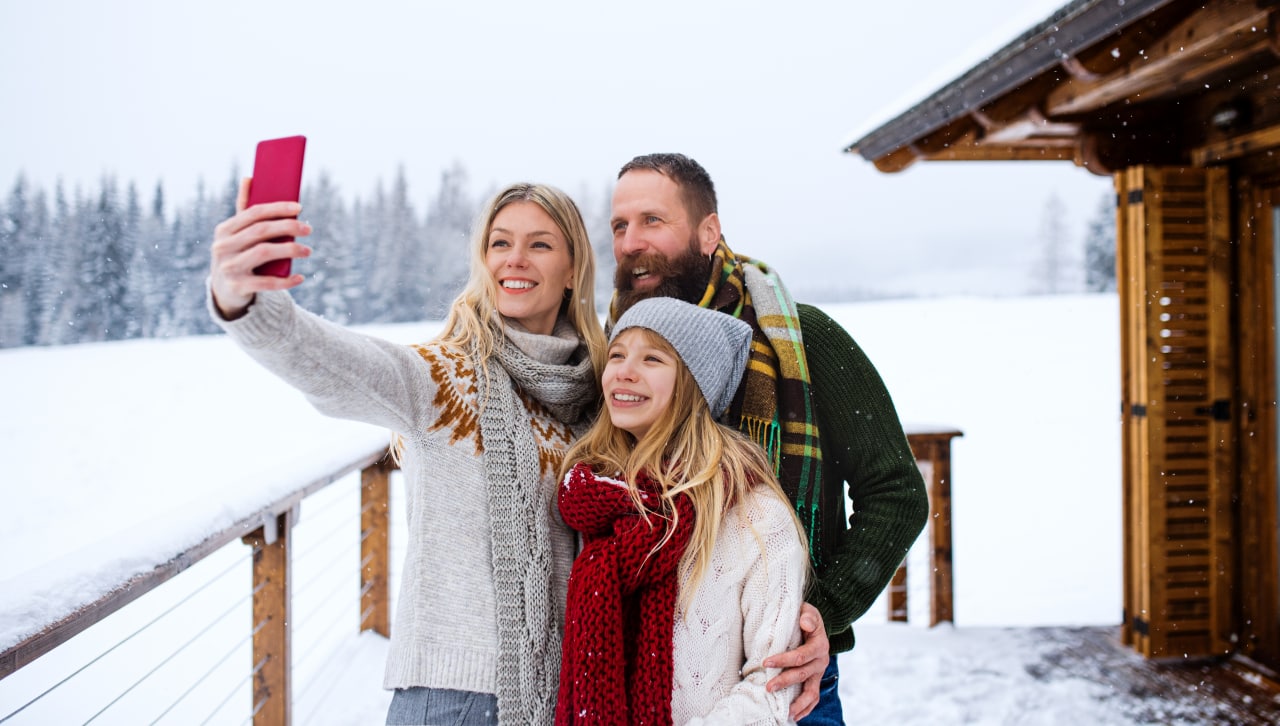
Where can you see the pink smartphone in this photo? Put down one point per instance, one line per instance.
(277, 177)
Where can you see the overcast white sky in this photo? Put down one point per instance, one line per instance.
(763, 94)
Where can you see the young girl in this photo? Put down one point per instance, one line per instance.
(693, 565)
(483, 415)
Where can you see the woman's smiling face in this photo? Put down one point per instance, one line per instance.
(529, 259)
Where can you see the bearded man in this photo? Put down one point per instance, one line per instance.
(810, 398)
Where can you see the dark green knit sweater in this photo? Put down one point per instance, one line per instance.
(863, 447)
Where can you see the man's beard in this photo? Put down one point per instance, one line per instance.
(684, 277)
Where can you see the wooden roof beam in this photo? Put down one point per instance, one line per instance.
(1066, 152)
(1236, 147)
(1200, 45)
(1078, 71)
(1032, 123)
(896, 161)
(1111, 53)
(944, 137)
(976, 145)
(1273, 30)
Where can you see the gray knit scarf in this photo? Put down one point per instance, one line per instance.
(529, 625)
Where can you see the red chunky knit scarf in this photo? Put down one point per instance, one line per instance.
(616, 667)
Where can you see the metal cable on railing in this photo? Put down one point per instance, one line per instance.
(342, 524)
(336, 677)
(302, 589)
(205, 676)
(257, 668)
(364, 615)
(200, 663)
(314, 511)
(234, 565)
(257, 705)
(170, 657)
(347, 607)
(300, 661)
(308, 554)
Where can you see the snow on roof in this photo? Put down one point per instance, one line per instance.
(1014, 24)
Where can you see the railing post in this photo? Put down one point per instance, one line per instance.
(941, 608)
(934, 448)
(375, 593)
(272, 660)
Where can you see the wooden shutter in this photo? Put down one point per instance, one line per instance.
(1173, 256)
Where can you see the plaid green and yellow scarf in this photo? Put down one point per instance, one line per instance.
(774, 405)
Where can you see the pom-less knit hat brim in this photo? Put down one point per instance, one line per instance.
(713, 345)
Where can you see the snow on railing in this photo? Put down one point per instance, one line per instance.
(270, 533)
(274, 593)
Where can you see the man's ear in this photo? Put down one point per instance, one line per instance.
(709, 234)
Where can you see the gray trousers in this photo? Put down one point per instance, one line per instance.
(442, 707)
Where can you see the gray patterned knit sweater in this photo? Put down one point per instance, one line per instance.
(446, 632)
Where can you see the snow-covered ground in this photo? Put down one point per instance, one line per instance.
(118, 456)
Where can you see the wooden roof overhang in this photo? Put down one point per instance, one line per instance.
(1107, 84)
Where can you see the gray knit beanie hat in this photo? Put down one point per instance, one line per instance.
(712, 344)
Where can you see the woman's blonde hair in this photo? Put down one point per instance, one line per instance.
(687, 452)
(469, 325)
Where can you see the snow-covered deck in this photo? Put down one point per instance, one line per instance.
(903, 674)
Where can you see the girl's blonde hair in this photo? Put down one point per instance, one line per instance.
(469, 327)
(685, 452)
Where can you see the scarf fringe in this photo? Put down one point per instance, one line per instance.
(769, 435)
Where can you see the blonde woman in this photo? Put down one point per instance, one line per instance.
(693, 565)
(482, 416)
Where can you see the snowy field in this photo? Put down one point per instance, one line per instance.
(120, 455)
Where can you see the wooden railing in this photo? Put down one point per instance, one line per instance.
(269, 533)
(932, 449)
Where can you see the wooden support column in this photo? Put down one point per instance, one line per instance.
(375, 592)
(941, 607)
(272, 661)
(934, 447)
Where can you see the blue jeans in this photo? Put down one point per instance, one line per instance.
(828, 712)
(442, 707)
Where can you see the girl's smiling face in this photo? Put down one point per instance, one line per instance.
(638, 381)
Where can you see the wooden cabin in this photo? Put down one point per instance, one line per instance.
(1179, 103)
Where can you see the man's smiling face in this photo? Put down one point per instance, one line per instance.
(659, 250)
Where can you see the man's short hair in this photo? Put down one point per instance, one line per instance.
(696, 189)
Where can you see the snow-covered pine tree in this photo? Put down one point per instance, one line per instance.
(188, 253)
(14, 293)
(327, 291)
(131, 310)
(450, 217)
(57, 298)
(376, 257)
(151, 267)
(406, 249)
(1054, 271)
(36, 274)
(1100, 247)
(596, 212)
(102, 272)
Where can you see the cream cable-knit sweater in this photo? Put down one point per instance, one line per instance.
(718, 677)
(445, 630)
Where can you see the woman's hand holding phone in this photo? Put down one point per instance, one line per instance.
(253, 250)
(245, 242)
